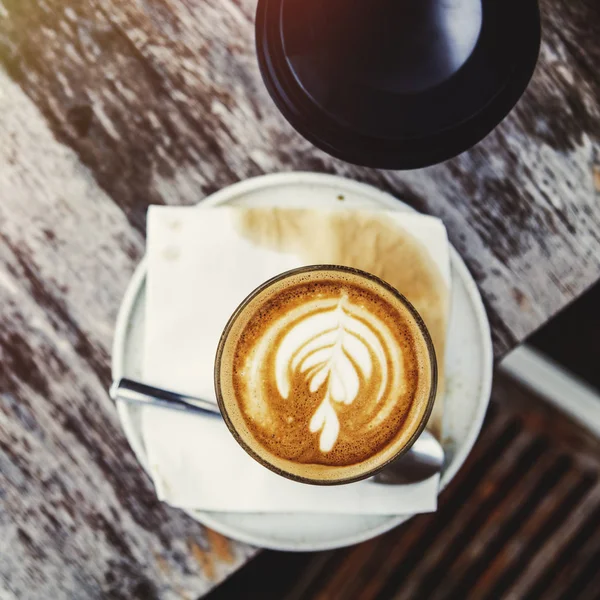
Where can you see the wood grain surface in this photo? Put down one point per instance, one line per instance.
(109, 106)
(79, 518)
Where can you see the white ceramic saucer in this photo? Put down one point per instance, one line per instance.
(468, 367)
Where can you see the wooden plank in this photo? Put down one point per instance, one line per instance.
(79, 517)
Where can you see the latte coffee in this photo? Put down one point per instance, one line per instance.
(326, 374)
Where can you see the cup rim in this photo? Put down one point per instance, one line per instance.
(327, 268)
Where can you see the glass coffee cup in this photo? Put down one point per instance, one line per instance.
(326, 375)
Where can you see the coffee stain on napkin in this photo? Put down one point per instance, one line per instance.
(366, 241)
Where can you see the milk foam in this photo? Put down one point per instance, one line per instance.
(339, 348)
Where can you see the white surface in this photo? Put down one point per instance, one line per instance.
(199, 270)
(468, 367)
(560, 387)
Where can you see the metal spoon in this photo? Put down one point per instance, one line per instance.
(424, 459)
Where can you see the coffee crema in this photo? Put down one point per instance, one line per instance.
(326, 374)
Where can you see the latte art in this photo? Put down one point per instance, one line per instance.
(325, 375)
(339, 350)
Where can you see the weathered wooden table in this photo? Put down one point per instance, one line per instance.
(109, 106)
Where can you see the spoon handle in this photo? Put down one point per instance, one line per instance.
(134, 392)
(424, 459)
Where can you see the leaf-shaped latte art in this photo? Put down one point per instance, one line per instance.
(335, 351)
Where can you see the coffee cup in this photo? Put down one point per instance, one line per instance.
(326, 374)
